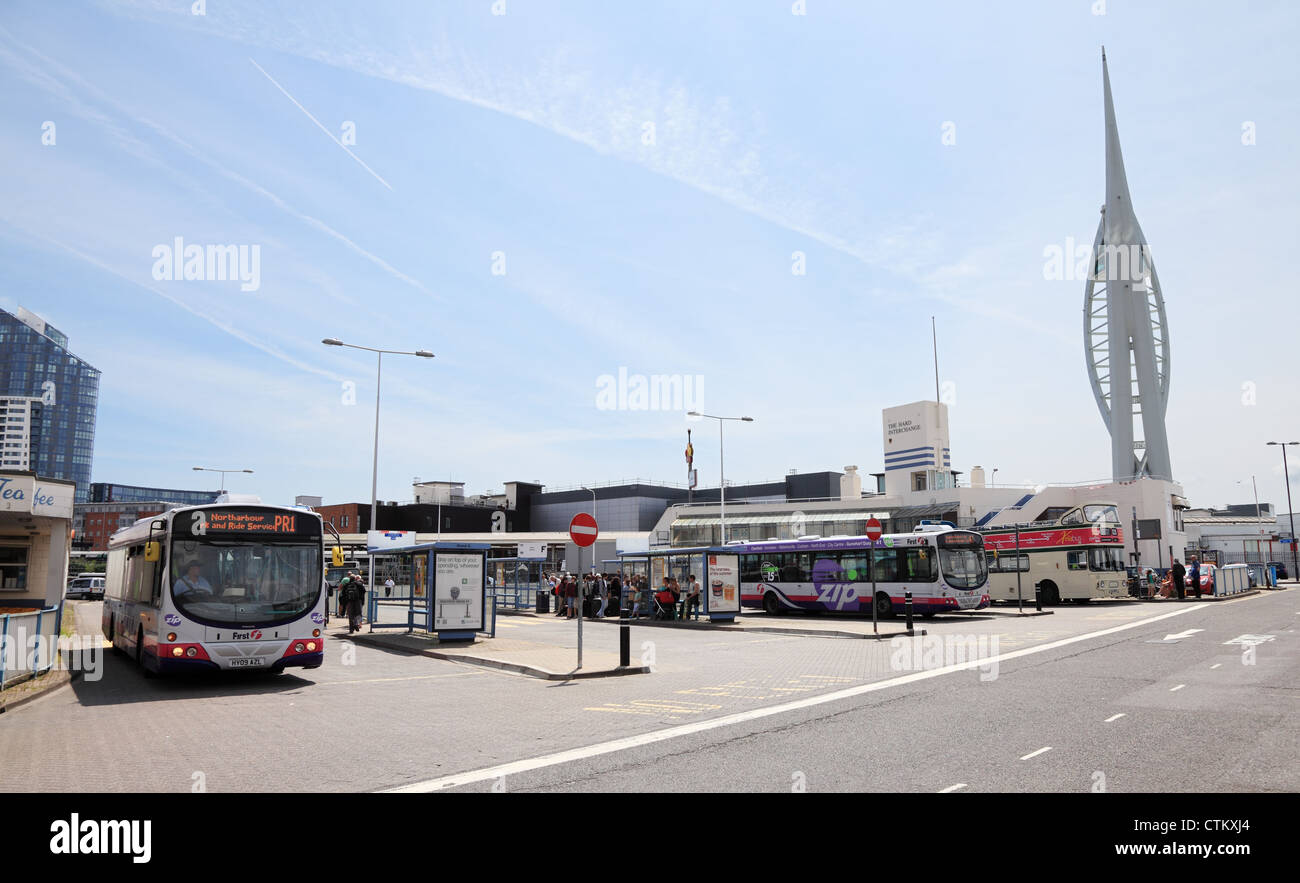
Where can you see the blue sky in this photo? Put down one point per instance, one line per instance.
(525, 134)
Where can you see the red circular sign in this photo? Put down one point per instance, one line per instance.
(583, 529)
(873, 529)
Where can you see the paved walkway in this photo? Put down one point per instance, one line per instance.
(549, 661)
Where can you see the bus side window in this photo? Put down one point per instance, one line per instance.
(1076, 560)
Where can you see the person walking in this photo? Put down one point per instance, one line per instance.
(1195, 575)
(388, 587)
(1179, 575)
(355, 596)
(602, 593)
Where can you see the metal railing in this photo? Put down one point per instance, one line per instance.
(22, 665)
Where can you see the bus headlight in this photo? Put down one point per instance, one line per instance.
(297, 648)
(191, 651)
(315, 633)
(311, 646)
(177, 651)
(171, 637)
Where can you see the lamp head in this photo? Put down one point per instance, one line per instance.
(332, 341)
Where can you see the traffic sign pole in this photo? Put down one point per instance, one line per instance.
(583, 530)
(873, 534)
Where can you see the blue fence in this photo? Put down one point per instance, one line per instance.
(24, 639)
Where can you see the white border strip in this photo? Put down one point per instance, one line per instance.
(575, 754)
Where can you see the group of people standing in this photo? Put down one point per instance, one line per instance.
(1184, 579)
(615, 592)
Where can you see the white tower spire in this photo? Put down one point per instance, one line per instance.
(1126, 336)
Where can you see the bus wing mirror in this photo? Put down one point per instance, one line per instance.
(153, 551)
(336, 555)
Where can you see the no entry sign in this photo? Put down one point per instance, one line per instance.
(583, 529)
(873, 529)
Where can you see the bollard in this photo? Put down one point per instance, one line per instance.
(907, 607)
(624, 643)
(1038, 598)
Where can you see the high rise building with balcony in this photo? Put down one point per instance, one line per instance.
(48, 402)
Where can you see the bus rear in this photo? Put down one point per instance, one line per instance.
(244, 590)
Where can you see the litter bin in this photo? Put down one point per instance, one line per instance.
(543, 602)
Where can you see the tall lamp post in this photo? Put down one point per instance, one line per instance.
(1286, 473)
(722, 481)
(223, 472)
(374, 470)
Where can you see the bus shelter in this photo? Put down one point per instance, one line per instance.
(717, 568)
(446, 593)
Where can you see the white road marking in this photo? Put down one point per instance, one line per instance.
(952, 788)
(1114, 717)
(642, 739)
(1176, 689)
(1036, 753)
(1180, 635)
(1216, 665)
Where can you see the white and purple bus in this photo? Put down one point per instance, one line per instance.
(943, 568)
(231, 585)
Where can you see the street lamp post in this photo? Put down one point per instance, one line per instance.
(722, 480)
(593, 518)
(223, 474)
(1286, 474)
(374, 469)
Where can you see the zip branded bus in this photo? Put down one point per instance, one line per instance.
(943, 568)
(1077, 557)
(230, 585)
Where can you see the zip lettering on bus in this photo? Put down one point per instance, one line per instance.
(836, 595)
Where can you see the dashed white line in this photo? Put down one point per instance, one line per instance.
(1114, 717)
(1216, 665)
(1036, 753)
(952, 788)
(1175, 689)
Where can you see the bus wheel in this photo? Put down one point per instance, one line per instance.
(1051, 597)
(884, 606)
(112, 636)
(771, 606)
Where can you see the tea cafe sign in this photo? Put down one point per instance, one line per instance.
(36, 496)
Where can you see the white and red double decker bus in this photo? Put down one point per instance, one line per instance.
(231, 585)
(1077, 557)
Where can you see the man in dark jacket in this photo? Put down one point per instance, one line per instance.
(1180, 574)
(1195, 575)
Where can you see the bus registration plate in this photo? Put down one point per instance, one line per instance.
(248, 661)
(965, 602)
